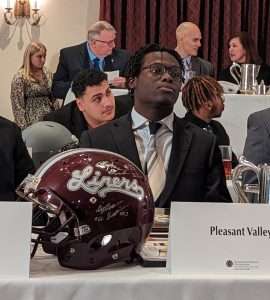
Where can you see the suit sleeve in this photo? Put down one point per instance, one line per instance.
(257, 145)
(23, 163)
(61, 82)
(216, 188)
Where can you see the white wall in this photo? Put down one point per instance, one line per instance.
(64, 23)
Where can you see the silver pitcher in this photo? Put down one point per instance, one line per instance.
(261, 190)
(245, 75)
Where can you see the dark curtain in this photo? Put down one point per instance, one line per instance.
(139, 22)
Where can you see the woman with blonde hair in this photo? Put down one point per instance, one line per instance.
(31, 87)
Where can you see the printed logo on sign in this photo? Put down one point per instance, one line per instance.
(229, 263)
(102, 185)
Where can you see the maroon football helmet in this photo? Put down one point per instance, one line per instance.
(99, 204)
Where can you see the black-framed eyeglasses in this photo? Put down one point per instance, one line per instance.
(108, 43)
(159, 69)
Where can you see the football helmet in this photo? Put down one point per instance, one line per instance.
(46, 138)
(100, 206)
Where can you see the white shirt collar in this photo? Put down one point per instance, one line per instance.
(139, 121)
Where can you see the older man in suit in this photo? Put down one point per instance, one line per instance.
(182, 161)
(188, 36)
(98, 53)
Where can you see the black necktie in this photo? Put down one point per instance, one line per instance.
(96, 64)
(154, 127)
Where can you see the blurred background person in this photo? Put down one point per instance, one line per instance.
(257, 145)
(202, 96)
(31, 95)
(97, 53)
(243, 50)
(188, 37)
(15, 162)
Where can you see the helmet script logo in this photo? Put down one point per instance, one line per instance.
(102, 185)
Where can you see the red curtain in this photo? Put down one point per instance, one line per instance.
(139, 22)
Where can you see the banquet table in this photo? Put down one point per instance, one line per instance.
(234, 117)
(130, 282)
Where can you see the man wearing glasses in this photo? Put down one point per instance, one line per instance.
(182, 162)
(97, 53)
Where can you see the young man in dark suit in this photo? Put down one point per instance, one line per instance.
(188, 158)
(94, 104)
(98, 53)
(15, 162)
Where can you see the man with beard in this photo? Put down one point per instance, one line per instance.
(202, 96)
(159, 143)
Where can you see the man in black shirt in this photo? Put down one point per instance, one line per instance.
(202, 96)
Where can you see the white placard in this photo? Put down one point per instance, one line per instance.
(15, 232)
(219, 238)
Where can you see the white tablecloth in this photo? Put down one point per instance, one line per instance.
(48, 281)
(234, 118)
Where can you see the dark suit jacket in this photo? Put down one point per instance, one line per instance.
(72, 118)
(264, 74)
(218, 130)
(74, 59)
(202, 66)
(195, 171)
(15, 162)
(257, 145)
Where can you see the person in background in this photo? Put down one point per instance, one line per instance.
(15, 162)
(202, 96)
(94, 105)
(182, 161)
(257, 144)
(188, 37)
(98, 52)
(243, 50)
(31, 96)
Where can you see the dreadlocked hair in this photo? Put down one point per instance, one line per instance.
(198, 90)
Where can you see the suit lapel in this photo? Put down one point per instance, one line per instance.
(195, 66)
(124, 139)
(181, 142)
(108, 63)
(84, 57)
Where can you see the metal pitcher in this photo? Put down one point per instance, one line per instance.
(262, 189)
(245, 75)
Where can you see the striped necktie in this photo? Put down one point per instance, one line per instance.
(154, 163)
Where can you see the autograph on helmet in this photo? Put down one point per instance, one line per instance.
(102, 185)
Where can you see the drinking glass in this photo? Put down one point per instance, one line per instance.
(226, 154)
